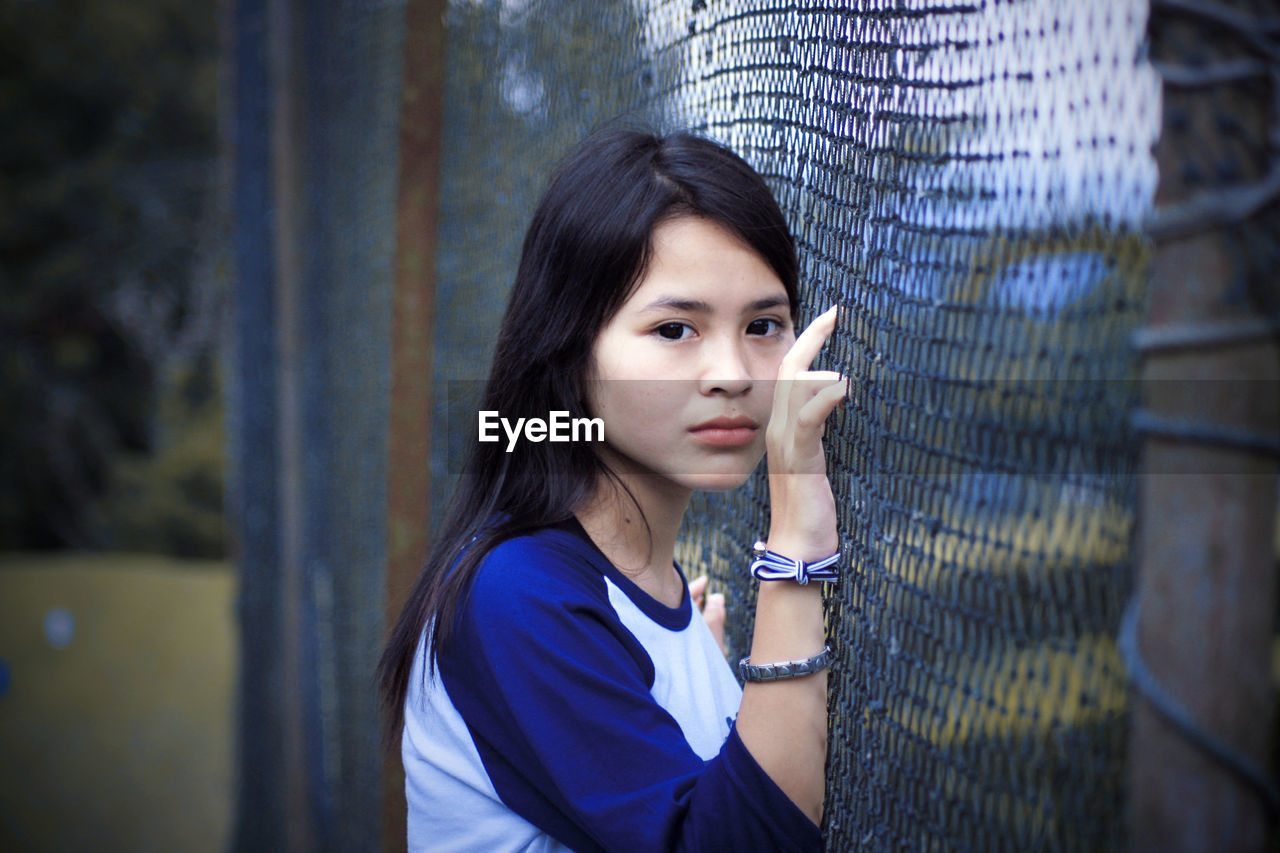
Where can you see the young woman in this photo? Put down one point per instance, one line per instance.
(551, 679)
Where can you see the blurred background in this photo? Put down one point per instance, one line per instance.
(118, 647)
(249, 249)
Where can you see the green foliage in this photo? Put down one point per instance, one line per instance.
(169, 500)
(105, 168)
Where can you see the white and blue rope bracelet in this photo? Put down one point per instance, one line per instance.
(770, 566)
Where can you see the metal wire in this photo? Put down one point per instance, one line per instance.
(1176, 714)
(969, 181)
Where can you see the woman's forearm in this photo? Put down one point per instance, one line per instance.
(784, 723)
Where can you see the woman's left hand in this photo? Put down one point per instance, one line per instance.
(711, 607)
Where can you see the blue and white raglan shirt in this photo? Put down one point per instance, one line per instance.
(572, 711)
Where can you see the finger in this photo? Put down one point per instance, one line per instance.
(813, 414)
(807, 385)
(697, 589)
(792, 373)
(714, 616)
(808, 344)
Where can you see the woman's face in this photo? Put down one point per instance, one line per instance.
(683, 374)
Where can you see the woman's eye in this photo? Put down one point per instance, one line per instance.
(764, 326)
(672, 331)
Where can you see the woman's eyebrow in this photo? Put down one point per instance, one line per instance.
(673, 303)
(767, 303)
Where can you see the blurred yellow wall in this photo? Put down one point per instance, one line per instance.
(122, 740)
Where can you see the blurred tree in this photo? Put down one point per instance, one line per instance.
(108, 253)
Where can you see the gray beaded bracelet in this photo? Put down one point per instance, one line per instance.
(786, 669)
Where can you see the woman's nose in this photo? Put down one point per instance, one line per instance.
(725, 369)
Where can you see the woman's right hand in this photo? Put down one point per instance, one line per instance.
(784, 723)
(803, 508)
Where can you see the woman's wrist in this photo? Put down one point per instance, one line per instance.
(789, 622)
(807, 546)
(803, 526)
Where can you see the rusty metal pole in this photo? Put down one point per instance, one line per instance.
(1206, 581)
(315, 92)
(413, 322)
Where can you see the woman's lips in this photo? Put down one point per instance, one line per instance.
(726, 432)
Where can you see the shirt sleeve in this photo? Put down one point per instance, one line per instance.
(555, 693)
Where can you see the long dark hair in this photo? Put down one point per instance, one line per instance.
(585, 251)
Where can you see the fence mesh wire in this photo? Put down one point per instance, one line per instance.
(967, 180)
